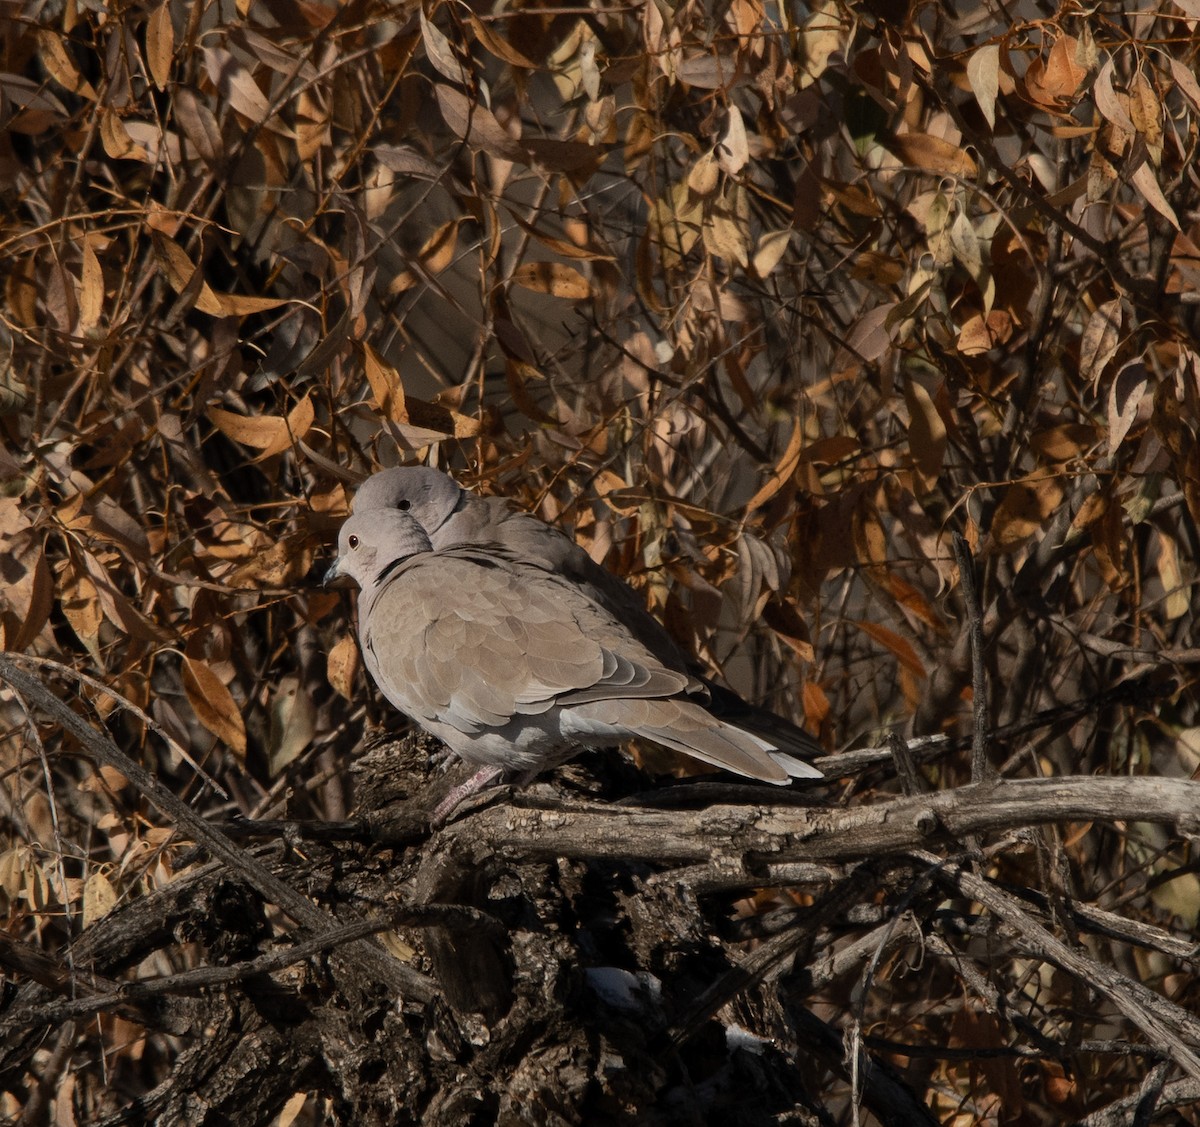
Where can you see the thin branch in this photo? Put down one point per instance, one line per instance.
(979, 684)
(1170, 1028)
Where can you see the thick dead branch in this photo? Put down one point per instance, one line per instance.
(754, 839)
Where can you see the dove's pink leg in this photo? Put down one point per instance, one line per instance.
(482, 779)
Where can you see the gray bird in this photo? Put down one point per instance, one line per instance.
(453, 516)
(515, 667)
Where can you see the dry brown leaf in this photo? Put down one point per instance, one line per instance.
(498, 45)
(983, 73)
(116, 606)
(385, 383)
(244, 305)
(199, 126)
(61, 67)
(99, 898)
(895, 645)
(1128, 402)
(733, 149)
(1146, 182)
(160, 45)
(1177, 592)
(706, 71)
(116, 140)
(184, 276)
(80, 605)
(291, 1110)
(822, 36)
(926, 432)
(783, 471)
(1109, 545)
(583, 249)
(1147, 115)
(477, 125)
(437, 252)
(406, 411)
(725, 236)
(269, 434)
(213, 704)
(38, 600)
(982, 334)
(293, 718)
(341, 666)
(785, 619)
(1054, 83)
(769, 252)
(1185, 79)
(704, 177)
(237, 85)
(914, 604)
(439, 51)
(869, 339)
(1100, 341)
(1101, 175)
(91, 289)
(932, 154)
(674, 226)
(1063, 442)
(816, 703)
(1024, 508)
(283, 564)
(16, 866)
(1114, 106)
(518, 375)
(554, 278)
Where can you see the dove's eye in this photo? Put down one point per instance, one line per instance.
(353, 542)
(404, 505)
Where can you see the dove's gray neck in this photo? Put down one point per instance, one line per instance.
(390, 569)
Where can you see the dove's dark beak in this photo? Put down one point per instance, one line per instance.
(334, 577)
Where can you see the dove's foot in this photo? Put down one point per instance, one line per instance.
(482, 779)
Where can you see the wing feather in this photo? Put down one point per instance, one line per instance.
(473, 638)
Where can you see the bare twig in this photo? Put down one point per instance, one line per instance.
(980, 731)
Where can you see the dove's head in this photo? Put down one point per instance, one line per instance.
(428, 494)
(370, 544)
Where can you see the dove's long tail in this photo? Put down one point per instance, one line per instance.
(687, 728)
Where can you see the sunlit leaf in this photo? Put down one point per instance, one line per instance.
(270, 434)
(160, 44)
(341, 666)
(983, 72)
(99, 898)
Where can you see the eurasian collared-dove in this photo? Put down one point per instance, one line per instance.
(453, 516)
(515, 667)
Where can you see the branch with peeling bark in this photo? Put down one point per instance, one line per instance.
(755, 840)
